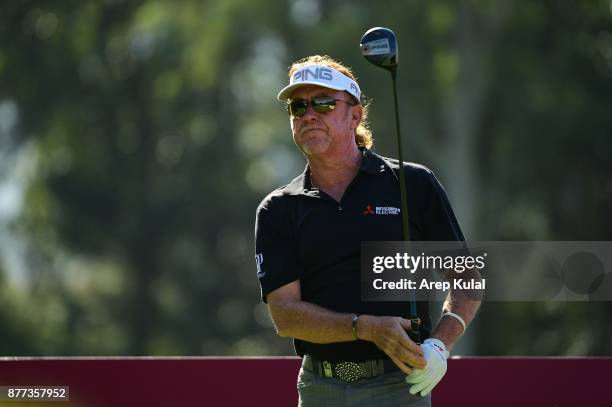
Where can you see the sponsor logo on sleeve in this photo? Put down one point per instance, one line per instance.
(259, 262)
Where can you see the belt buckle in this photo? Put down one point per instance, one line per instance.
(349, 371)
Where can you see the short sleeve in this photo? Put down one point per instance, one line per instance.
(440, 223)
(275, 249)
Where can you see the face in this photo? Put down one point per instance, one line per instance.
(318, 134)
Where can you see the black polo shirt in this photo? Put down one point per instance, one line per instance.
(303, 234)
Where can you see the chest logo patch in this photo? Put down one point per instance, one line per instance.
(368, 210)
(381, 210)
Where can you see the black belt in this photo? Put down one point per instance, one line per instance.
(350, 371)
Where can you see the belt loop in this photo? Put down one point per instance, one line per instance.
(310, 364)
(327, 369)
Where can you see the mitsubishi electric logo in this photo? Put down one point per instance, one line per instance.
(381, 210)
(387, 210)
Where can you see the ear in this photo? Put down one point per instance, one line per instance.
(356, 115)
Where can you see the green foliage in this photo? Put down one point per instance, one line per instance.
(148, 132)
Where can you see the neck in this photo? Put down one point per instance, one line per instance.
(338, 170)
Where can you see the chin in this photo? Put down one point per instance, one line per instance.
(315, 147)
(313, 150)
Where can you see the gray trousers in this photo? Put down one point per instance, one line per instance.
(386, 390)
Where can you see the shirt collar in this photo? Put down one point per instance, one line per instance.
(371, 164)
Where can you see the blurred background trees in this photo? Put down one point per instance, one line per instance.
(137, 138)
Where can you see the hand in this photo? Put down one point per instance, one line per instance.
(389, 335)
(425, 380)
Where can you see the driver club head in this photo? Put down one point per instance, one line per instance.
(379, 46)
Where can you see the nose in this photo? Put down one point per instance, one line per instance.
(310, 112)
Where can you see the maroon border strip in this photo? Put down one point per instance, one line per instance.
(474, 381)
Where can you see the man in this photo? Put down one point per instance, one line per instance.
(308, 240)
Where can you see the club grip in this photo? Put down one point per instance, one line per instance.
(415, 333)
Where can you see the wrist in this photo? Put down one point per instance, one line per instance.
(354, 321)
(456, 317)
(439, 346)
(362, 327)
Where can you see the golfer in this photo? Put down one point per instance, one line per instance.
(308, 240)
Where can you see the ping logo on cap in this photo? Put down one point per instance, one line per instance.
(321, 75)
(316, 73)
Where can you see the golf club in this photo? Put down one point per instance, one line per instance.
(379, 46)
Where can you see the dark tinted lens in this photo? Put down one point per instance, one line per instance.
(297, 108)
(322, 104)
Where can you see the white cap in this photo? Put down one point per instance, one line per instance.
(321, 75)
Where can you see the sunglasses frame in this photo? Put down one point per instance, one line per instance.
(320, 104)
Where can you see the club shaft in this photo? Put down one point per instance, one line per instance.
(402, 175)
(402, 181)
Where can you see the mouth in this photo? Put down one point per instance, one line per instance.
(304, 131)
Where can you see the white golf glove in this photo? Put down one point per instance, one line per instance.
(425, 380)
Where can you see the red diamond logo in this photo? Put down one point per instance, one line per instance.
(368, 210)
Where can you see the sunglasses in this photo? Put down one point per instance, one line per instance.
(320, 104)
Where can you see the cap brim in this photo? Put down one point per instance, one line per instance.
(286, 92)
